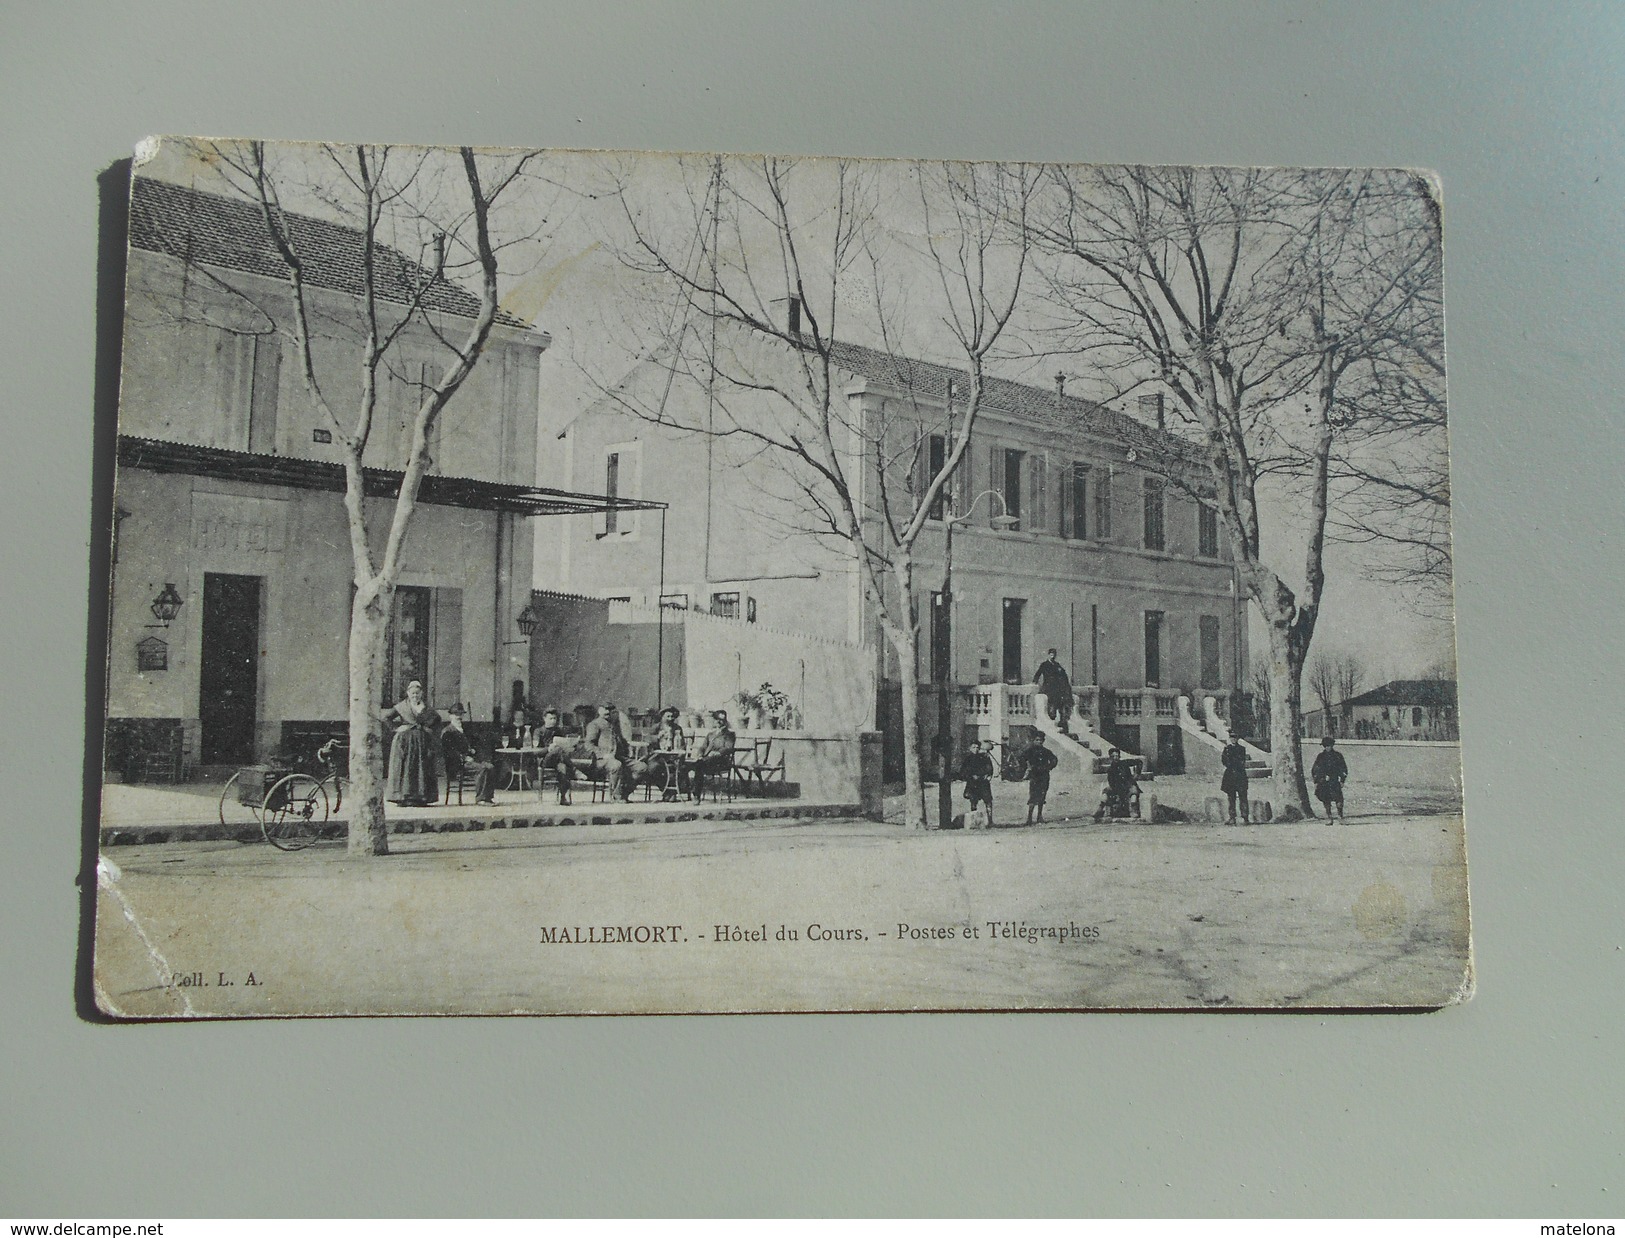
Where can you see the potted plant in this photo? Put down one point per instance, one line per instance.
(775, 706)
(750, 708)
(765, 707)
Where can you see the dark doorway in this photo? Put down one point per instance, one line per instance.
(408, 643)
(228, 697)
(1012, 639)
(1170, 750)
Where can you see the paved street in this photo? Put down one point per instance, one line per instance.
(1069, 915)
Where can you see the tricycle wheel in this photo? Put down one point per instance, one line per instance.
(295, 812)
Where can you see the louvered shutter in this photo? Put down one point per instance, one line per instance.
(1064, 500)
(995, 478)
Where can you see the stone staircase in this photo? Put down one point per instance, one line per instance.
(1211, 733)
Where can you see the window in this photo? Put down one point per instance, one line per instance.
(1153, 514)
(1207, 531)
(408, 387)
(263, 402)
(612, 491)
(1075, 501)
(936, 456)
(674, 601)
(1038, 490)
(750, 610)
(1208, 626)
(1012, 665)
(1005, 475)
(725, 605)
(623, 466)
(1153, 648)
(941, 666)
(1103, 505)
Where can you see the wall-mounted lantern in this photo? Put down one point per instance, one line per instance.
(527, 620)
(166, 605)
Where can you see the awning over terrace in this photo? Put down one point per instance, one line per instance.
(161, 456)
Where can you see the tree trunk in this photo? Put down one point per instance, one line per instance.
(913, 781)
(369, 622)
(1287, 656)
(905, 640)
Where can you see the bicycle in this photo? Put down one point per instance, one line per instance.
(293, 808)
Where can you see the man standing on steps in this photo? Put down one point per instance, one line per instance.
(1056, 685)
(1039, 761)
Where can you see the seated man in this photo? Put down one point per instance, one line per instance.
(610, 752)
(555, 745)
(1117, 796)
(666, 754)
(713, 754)
(459, 757)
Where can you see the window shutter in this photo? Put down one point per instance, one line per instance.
(611, 474)
(1063, 504)
(922, 466)
(432, 375)
(995, 479)
(1038, 487)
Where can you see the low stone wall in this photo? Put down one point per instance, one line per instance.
(829, 768)
(1416, 765)
(502, 819)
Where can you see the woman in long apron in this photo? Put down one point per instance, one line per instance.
(414, 755)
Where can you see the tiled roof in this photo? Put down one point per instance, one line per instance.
(1429, 693)
(230, 233)
(1034, 404)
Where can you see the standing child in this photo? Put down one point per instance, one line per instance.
(1330, 771)
(1040, 761)
(977, 771)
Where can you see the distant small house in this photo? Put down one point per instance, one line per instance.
(1400, 709)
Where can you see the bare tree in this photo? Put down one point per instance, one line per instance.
(387, 196)
(1262, 713)
(1351, 675)
(1323, 682)
(755, 237)
(1282, 310)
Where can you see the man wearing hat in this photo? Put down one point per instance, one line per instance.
(666, 755)
(459, 756)
(1330, 771)
(714, 754)
(1056, 685)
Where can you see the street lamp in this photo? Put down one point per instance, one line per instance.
(944, 669)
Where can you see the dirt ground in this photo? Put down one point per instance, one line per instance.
(788, 915)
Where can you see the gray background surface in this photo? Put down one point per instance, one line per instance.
(1508, 1105)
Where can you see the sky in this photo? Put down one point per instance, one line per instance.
(566, 238)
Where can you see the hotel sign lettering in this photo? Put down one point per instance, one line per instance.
(239, 524)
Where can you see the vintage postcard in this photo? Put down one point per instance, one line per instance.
(570, 582)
